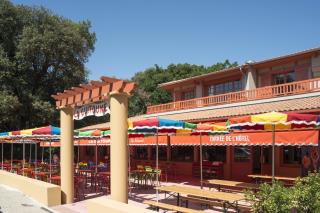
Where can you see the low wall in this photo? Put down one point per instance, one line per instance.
(104, 204)
(46, 193)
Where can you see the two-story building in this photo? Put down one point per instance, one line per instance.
(289, 83)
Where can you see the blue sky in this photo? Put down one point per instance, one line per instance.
(133, 35)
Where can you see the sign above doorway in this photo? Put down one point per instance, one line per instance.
(94, 109)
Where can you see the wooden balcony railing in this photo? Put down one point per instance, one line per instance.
(298, 87)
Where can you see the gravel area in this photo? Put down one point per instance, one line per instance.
(14, 201)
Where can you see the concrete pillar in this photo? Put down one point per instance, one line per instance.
(119, 149)
(66, 155)
(199, 90)
(250, 82)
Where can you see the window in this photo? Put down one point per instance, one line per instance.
(188, 95)
(229, 86)
(162, 153)
(267, 154)
(102, 151)
(242, 153)
(141, 153)
(283, 78)
(214, 153)
(182, 153)
(90, 151)
(237, 85)
(291, 155)
(210, 90)
(219, 89)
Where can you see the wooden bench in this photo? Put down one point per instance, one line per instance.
(232, 186)
(170, 207)
(194, 199)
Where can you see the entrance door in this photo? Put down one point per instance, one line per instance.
(256, 167)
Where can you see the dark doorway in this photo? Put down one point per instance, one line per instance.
(256, 160)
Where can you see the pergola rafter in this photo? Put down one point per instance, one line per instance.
(92, 92)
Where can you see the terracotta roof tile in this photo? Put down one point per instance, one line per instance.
(302, 104)
(280, 106)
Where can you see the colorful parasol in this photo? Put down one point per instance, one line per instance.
(280, 120)
(274, 121)
(48, 130)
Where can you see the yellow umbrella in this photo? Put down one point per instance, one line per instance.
(270, 117)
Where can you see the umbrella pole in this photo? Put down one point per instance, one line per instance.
(11, 155)
(35, 159)
(50, 160)
(157, 165)
(129, 165)
(30, 151)
(273, 150)
(201, 169)
(96, 169)
(42, 155)
(78, 154)
(2, 155)
(23, 156)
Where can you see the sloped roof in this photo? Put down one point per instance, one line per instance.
(200, 115)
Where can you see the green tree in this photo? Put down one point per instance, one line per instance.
(41, 54)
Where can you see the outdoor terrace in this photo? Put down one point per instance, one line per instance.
(294, 88)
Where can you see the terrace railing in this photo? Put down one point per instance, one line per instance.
(294, 88)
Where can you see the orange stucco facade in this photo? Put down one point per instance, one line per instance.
(232, 169)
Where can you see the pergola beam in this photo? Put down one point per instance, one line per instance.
(92, 92)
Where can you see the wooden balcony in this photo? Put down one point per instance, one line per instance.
(294, 88)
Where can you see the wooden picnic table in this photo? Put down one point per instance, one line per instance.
(232, 184)
(224, 197)
(268, 177)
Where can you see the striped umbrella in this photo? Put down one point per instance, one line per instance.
(274, 121)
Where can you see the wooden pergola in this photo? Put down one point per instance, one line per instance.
(93, 92)
(115, 91)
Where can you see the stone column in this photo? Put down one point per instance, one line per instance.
(119, 149)
(66, 155)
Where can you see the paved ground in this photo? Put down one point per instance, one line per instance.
(136, 197)
(14, 201)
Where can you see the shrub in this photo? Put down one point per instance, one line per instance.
(303, 197)
(306, 194)
(273, 198)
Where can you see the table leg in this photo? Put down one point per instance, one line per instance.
(178, 199)
(224, 207)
